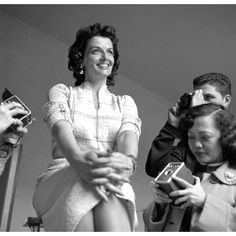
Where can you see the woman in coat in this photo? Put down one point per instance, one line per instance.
(209, 204)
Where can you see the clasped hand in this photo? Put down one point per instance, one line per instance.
(108, 171)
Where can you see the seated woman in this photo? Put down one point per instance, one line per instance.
(95, 137)
(210, 204)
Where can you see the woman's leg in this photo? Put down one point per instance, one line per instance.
(86, 224)
(112, 215)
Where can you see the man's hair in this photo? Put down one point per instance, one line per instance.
(220, 81)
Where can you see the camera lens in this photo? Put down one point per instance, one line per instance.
(185, 101)
(168, 172)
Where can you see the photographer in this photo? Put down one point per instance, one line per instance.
(209, 204)
(211, 87)
(7, 113)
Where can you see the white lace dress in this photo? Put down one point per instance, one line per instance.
(65, 197)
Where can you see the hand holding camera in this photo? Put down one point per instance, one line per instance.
(166, 180)
(15, 116)
(173, 115)
(160, 196)
(198, 98)
(186, 101)
(177, 181)
(191, 195)
(192, 99)
(178, 110)
(8, 112)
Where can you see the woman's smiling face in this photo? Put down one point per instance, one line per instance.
(99, 57)
(204, 140)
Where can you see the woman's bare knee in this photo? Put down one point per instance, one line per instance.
(87, 223)
(112, 215)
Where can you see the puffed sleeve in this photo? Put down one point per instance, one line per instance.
(57, 106)
(130, 118)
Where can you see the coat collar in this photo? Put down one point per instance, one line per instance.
(225, 174)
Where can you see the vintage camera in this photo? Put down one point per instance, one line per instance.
(185, 102)
(165, 181)
(26, 119)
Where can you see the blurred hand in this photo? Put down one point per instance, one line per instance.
(159, 195)
(7, 112)
(197, 98)
(174, 115)
(192, 195)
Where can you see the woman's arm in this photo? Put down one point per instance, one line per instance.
(128, 145)
(83, 162)
(63, 133)
(121, 164)
(129, 132)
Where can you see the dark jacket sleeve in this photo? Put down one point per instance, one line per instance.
(154, 216)
(163, 151)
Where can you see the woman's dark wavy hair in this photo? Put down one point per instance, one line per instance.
(224, 121)
(77, 50)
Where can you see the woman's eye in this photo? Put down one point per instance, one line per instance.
(96, 51)
(205, 138)
(111, 53)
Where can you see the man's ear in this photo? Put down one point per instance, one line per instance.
(227, 100)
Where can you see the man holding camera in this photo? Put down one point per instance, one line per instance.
(7, 113)
(208, 88)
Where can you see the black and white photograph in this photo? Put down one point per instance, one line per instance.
(117, 117)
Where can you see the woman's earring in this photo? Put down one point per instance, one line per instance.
(81, 69)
